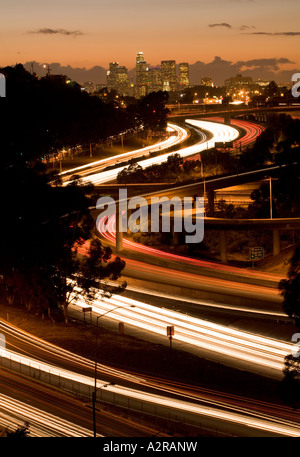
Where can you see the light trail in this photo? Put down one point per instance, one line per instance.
(220, 132)
(207, 304)
(50, 351)
(225, 407)
(100, 165)
(233, 343)
(255, 350)
(107, 230)
(252, 130)
(14, 413)
(262, 422)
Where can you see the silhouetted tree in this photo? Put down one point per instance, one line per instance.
(152, 111)
(41, 116)
(39, 241)
(20, 432)
(289, 387)
(271, 89)
(290, 289)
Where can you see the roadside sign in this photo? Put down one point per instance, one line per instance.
(170, 330)
(87, 309)
(170, 333)
(223, 144)
(256, 253)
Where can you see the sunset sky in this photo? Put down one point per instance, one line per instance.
(86, 33)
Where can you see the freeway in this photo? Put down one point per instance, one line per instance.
(54, 413)
(232, 347)
(177, 136)
(229, 413)
(219, 132)
(243, 350)
(252, 131)
(16, 409)
(107, 230)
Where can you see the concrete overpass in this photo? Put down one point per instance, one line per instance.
(222, 225)
(274, 225)
(227, 112)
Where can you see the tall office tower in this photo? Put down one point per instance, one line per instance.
(117, 78)
(155, 79)
(111, 75)
(142, 76)
(169, 78)
(122, 82)
(184, 75)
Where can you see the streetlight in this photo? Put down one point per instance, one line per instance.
(271, 198)
(105, 385)
(94, 404)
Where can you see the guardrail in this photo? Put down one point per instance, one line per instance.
(162, 407)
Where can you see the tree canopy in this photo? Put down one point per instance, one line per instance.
(290, 289)
(41, 116)
(42, 230)
(44, 224)
(278, 143)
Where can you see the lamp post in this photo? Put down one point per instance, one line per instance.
(271, 198)
(94, 405)
(95, 384)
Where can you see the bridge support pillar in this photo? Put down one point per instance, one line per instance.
(223, 246)
(276, 242)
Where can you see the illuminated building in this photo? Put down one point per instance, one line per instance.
(168, 72)
(238, 83)
(208, 82)
(142, 76)
(261, 83)
(184, 75)
(117, 78)
(89, 87)
(155, 79)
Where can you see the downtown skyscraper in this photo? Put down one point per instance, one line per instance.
(117, 78)
(142, 76)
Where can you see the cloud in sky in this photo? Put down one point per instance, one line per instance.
(222, 24)
(247, 27)
(275, 33)
(48, 31)
(272, 63)
(220, 69)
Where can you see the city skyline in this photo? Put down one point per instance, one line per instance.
(247, 33)
(217, 69)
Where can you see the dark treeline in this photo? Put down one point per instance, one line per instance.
(290, 290)
(279, 143)
(43, 226)
(43, 223)
(41, 116)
